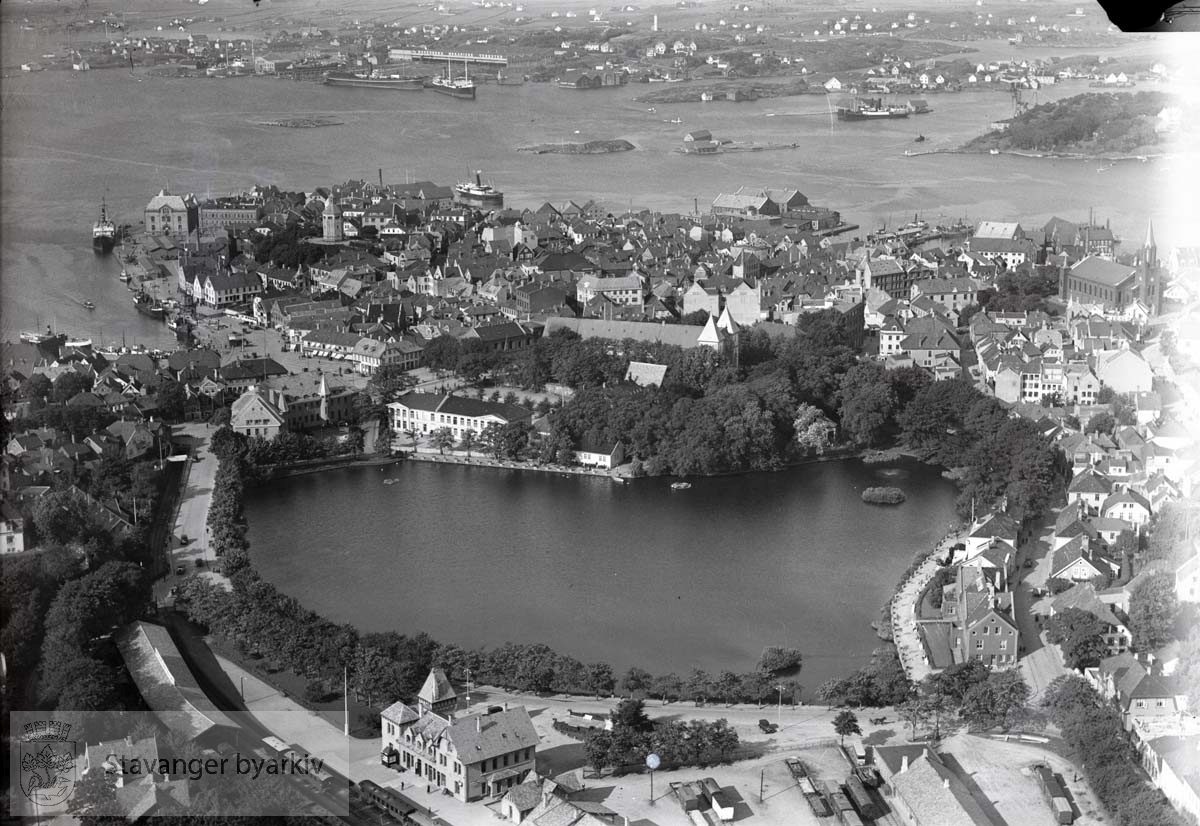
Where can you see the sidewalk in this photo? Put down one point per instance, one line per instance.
(905, 627)
(191, 517)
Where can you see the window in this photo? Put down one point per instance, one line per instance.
(978, 645)
(1003, 645)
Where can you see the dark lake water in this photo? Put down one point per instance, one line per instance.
(632, 575)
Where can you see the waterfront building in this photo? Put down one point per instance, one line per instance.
(172, 215)
(229, 288)
(255, 416)
(474, 757)
(427, 412)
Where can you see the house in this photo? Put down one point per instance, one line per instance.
(955, 294)
(254, 416)
(1128, 506)
(923, 791)
(425, 412)
(1124, 371)
(1171, 763)
(1089, 488)
(604, 456)
(1076, 561)
(474, 757)
(1084, 597)
(1187, 579)
(983, 626)
(12, 529)
(1144, 697)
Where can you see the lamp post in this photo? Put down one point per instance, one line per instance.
(652, 763)
(779, 713)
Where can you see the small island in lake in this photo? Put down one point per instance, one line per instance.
(1091, 125)
(883, 496)
(589, 148)
(300, 123)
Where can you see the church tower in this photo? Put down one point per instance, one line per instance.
(331, 220)
(1150, 273)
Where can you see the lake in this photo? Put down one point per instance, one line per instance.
(632, 574)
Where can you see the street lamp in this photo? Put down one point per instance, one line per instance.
(652, 763)
(779, 714)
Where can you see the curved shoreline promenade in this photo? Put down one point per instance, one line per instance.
(903, 610)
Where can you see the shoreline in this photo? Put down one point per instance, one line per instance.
(1020, 153)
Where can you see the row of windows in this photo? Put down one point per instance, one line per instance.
(1003, 645)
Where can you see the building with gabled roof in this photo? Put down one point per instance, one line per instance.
(924, 791)
(477, 756)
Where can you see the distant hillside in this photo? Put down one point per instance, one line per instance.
(1096, 123)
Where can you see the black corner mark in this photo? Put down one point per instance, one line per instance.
(1133, 16)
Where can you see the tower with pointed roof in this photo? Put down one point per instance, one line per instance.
(437, 695)
(1150, 273)
(331, 220)
(324, 394)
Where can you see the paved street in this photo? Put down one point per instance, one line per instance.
(191, 520)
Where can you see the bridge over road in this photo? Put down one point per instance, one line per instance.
(428, 56)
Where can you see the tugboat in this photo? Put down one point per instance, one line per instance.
(104, 231)
(478, 194)
(148, 306)
(457, 87)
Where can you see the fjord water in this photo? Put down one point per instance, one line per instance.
(70, 138)
(633, 575)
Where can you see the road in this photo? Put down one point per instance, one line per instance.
(905, 627)
(191, 519)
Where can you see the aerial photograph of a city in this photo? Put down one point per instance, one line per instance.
(568, 413)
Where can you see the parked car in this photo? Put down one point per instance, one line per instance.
(767, 726)
(180, 570)
(184, 539)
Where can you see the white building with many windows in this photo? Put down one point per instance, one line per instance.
(426, 412)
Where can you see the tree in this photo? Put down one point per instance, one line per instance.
(667, 687)
(1152, 610)
(846, 722)
(1081, 636)
(442, 438)
(388, 383)
(727, 685)
(443, 353)
(68, 385)
(1001, 701)
(1067, 695)
(597, 746)
(631, 714)
(814, 430)
(698, 685)
(171, 398)
(915, 712)
(956, 680)
(95, 795)
(636, 680)
(469, 441)
(37, 386)
(868, 403)
(600, 679)
(1101, 423)
(776, 660)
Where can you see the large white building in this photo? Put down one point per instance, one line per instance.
(427, 412)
